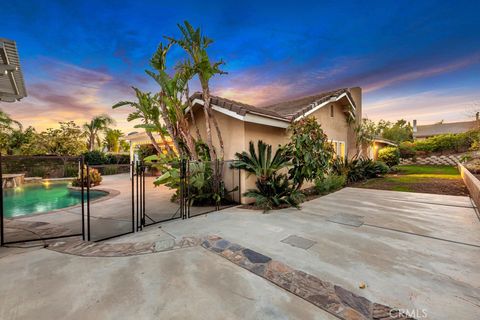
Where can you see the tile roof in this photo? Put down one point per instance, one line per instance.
(443, 128)
(238, 107)
(294, 108)
(287, 110)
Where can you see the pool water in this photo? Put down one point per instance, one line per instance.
(41, 197)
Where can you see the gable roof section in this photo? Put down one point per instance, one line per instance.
(444, 128)
(295, 108)
(284, 111)
(12, 86)
(239, 108)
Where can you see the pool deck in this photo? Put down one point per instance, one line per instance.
(417, 252)
(110, 215)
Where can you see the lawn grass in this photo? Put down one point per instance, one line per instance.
(420, 178)
(428, 170)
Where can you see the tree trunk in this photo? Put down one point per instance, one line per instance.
(154, 143)
(165, 143)
(206, 106)
(170, 128)
(219, 134)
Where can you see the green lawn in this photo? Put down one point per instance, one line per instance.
(420, 178)
(429, 170)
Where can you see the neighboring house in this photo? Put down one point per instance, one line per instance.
(378, 144)
(12, 87)
(430, 130)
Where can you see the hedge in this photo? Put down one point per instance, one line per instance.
(389, 155)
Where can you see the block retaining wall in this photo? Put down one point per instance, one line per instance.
(448, 160)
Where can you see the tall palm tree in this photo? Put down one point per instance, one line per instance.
(93, 129)
(195, 45)
(146, 110)
(173, 102)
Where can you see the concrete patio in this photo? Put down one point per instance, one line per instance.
(416, 252)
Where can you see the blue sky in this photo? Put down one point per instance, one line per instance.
(414, 59)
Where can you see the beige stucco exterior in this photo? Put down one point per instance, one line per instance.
(237, 134)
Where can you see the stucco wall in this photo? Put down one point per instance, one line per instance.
(336, 127)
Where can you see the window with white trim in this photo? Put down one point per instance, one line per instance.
(339, 148)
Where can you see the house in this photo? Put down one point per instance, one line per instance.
(427, 131)
(337, 111)
(12, 86)
(377, 144)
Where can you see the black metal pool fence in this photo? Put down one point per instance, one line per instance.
(197, 188)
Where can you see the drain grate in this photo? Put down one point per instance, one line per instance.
(347, 219)
(299, 242)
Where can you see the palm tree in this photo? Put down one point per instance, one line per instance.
(173, 100)
(93, 128)
(112, 140)
(195, 45)
(366, 133)
(146, 110)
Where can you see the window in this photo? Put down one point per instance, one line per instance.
(339, 149)
(331, 110)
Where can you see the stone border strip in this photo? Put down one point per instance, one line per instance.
(325, 295)
(334, 299)
(98, 249)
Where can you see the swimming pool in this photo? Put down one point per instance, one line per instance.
(42, 197)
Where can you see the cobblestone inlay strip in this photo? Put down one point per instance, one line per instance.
(96, 249)
(325, 295)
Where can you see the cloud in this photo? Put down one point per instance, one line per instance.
(427, 107)
(423, 73)
(256, 95)
(63, 92)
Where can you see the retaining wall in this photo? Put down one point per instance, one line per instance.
(444, 160)
(472, 183)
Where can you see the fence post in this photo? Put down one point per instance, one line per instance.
(88, 202)
(183, 186)
(142, 188)
(81, 179)
(132, 164)
(2, 241)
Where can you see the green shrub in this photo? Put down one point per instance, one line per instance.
(95, 157)
(407, 150)
(273, 189)
(358, 169)
(95, 178)
(274, 192)
(446, 142)
(389, 155)
(330, 183)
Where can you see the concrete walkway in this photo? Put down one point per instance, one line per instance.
(418, 252)
(414, 251)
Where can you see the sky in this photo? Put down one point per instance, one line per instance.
(413, 59)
